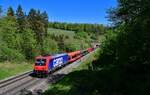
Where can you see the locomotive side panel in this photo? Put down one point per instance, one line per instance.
(58, 61)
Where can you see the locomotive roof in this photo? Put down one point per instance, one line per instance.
(53, 56)
(57, 55)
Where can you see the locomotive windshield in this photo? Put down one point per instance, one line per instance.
(40, 62)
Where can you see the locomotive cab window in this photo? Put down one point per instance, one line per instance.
(40, 62)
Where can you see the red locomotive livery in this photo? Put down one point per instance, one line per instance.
(41, 64)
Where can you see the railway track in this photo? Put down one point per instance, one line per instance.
(12, 83)
(24, 83)
(8, 81)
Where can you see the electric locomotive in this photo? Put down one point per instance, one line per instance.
(45, 64)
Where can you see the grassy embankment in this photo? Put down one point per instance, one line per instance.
(73, 83)
(8, 69)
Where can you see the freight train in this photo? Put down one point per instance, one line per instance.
(46, 64)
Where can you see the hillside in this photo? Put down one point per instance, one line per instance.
(66, 40)
(61, 32)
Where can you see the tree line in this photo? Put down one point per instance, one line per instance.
(79, 27)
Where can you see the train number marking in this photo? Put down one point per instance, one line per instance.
(58, 62)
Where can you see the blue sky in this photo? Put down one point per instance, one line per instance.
(75, 11)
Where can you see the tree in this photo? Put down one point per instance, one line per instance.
(1, 11)
(10, 11)
(45, 21)
(20, 19)
(38, 22)
(10, 48)
(31, 19)
(28, 44)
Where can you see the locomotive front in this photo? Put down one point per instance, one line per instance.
(40, 66)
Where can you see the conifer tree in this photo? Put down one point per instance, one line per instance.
(20, 19)
(10, 11)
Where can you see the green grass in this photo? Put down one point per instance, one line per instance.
(10, 69)
(61, 32)
(72, 83)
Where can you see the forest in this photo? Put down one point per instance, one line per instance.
(124, 55)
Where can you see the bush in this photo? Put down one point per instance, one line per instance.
(80, 35)
(28, 44)
(50, 46)
(7, 54)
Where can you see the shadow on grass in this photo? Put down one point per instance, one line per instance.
(126, 80)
